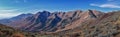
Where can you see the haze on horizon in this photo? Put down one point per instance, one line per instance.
(10, 8)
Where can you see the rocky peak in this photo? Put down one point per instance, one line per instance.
(91, 13)
(42, 14)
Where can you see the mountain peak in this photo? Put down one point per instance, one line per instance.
(43, 13)
(92, 13)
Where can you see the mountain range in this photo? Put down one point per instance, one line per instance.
(50, 22)
(90, 23)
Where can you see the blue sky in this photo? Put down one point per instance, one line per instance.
(10, 8)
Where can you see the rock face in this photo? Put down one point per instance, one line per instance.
(49, 22)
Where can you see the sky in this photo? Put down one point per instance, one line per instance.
(10, 8)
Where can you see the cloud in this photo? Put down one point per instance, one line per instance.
(7, 13)
(7, 10)
(106, 5)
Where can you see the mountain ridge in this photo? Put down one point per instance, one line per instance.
(90, 23)
(50, 22)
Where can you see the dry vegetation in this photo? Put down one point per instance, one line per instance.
(6, 31)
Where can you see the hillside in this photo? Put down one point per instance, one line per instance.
(6, 31)
(106, 26)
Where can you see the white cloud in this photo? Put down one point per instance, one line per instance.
(110, 6)
(106, 5)
(8, 13)
(7, 10)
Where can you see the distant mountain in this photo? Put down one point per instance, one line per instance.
(21, 16)
(51, 22)
(16, 18)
